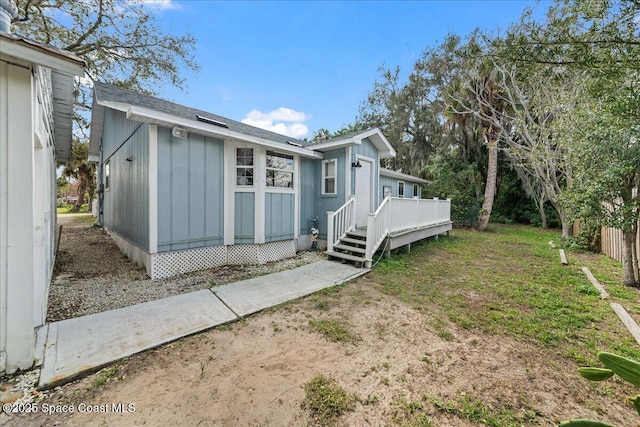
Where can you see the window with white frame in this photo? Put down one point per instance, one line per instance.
(244, 167)
(279, 170)
(106, 175)
(415, 190)
(401, 189)
(329, 168)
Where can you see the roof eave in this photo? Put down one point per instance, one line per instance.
(333, 145)
(61, 61)
(400, 175)
(150, 116)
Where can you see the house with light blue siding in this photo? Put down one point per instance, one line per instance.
(181, 189)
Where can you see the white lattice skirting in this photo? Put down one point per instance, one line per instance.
(173, 263)
(178, 262)
(167, 264)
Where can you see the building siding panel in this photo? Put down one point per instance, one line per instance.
(279, 216)
(126, 202)
(308, 184)
(245, 205)
(393, 183)
(214, 191)
(190, 197)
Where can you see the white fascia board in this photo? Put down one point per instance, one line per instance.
(156, 117)
(385, 149)
(93, 159)
(22, 51)
(403, 176)
(332, 145)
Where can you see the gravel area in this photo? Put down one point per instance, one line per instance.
(92, 275)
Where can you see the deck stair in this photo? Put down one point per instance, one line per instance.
(351, 248)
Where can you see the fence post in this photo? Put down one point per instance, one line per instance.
(330, 215)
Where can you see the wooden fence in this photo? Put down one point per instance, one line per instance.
(611, 242)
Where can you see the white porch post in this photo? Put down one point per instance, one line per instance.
(330, 216)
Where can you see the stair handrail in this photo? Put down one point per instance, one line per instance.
(378, 225)
(340, 222)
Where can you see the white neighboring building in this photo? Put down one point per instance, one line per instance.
(36, 103)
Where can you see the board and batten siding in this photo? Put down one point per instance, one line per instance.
(393, 183)
(330, 202)
(244, 224)
(367, 149)
(308, 185)
(126, 202)
(279, 216)
(390, 182)
(190, 191)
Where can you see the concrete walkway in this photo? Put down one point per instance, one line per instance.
(71, 347)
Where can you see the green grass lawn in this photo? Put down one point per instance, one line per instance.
(509, 281)
(67, 209)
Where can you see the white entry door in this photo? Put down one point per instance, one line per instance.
(363, 193)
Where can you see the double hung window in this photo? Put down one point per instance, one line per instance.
(329, 176)
(244, 167)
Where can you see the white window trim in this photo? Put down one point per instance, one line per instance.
(335, 177)
(403, 188)
(416, 190)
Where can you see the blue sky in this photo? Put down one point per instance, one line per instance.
(295, 67)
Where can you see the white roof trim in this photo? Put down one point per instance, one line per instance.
(385, 150)
(333, 144)
(400, 175)
(148, 115)
(160, 118)
(27, 52)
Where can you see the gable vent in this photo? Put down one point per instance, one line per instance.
(212, 121)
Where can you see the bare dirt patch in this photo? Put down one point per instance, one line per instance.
(253, 373)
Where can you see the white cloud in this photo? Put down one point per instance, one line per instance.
(162, 4)
(284, 121)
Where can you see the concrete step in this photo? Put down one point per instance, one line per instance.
(348, 257)
(349, 248)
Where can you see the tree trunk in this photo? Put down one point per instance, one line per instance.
(490, 186)
(629, 270)
(543, 218)
(542, 213)
(634, 246)
(567, 226)
(82, 188)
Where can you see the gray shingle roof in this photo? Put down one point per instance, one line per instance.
(107, 92)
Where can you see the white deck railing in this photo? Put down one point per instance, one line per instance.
(340, 222)
(397, 214)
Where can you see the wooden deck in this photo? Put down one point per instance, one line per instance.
(406, 237)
